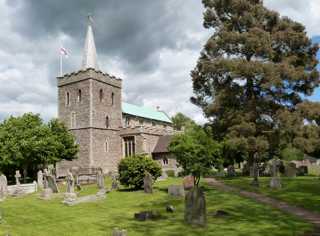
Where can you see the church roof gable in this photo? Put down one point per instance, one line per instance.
(145, 112)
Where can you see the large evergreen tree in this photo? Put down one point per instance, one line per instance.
(254, 70)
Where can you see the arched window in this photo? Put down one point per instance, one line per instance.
(79, 95)
(67, 99)
(101, 95)
(107, 122)
(112, 98)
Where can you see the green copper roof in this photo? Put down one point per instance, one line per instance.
(145, 112)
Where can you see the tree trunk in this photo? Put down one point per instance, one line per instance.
(255, 181)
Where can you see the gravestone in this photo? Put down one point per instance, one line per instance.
(255, 169)
(195, 207)
(40, 179)
(75, 170)
(46, 193)
(231, 172)
(115, 183)
(119, 232)
(147, 182)
(176, 190)
(188, 182)
(17, 176)
(291, 170)
(3, 187)
(69, 196)
(18, 190)
(50, 181)
(100, 182)
(275, 180)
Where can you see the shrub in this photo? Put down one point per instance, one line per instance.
(132, 170)
(170, 173)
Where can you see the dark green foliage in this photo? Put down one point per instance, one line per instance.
(292, 154)
(27, 143)
(196, 152)
(132, 170)
(251, 79)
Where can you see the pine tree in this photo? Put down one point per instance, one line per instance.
(256, 67)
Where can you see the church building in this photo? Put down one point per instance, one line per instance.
(106, 129)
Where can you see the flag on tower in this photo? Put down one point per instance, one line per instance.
(64, 52)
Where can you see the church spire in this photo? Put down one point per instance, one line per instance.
(89, 59)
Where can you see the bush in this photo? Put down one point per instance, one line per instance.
(170, 173)
(132, 170)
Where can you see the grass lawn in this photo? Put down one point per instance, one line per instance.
(299, 191)
(30, 216)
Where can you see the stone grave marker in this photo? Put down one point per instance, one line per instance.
(100, 182)
(40, 179)
(176, 191)
(3, 187)
(17, 176)
(275, 180)
(115, 183)
(69, 196)
(195, 207)
(147, 183)
(291, 170)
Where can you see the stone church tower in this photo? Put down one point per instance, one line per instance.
(90, 106)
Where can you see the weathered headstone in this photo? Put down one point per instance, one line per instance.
(188, 182)
(100, 182)
(275, 180)
(17, 176)
(291, 170)
(69, 196)
(114, 183)
(195, 207)
(147, 183)
(50, 181)
(119, 232)
(46, 193)
(75, 170)
(176, 190)
(40, 179)
(3, 187)
(231, 172)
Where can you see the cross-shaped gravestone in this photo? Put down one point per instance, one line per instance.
(17, 176)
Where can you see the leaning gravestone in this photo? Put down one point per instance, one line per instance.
(40, 179)
(176, 190)
(291, 170)
(195, 207)
(275, 180)
(3, 187)
(147, 182)
(188, 182)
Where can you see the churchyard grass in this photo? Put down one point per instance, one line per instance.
(30, 216)
(301, 191)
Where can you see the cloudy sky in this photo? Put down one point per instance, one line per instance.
(151, 45)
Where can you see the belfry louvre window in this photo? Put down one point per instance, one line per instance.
(101, 95)
(129, 146)
(79, 95)
(107, 122)
(112, 99)
(67, 99)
